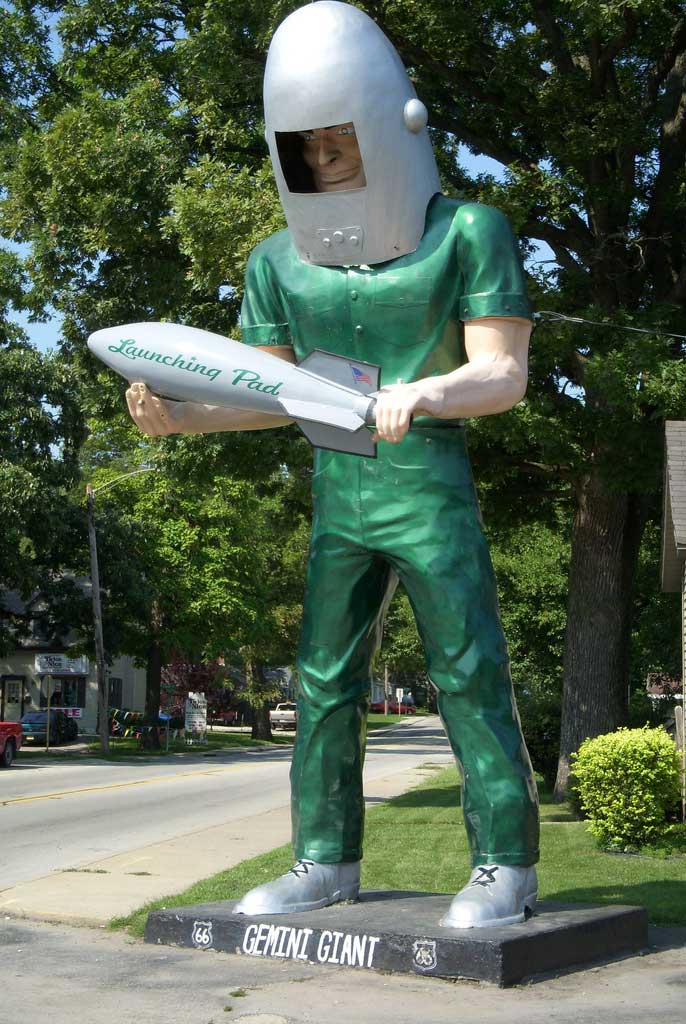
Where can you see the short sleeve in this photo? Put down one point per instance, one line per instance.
(262, 315)
(492, 274)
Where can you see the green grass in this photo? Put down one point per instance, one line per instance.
(216, 741)
(417, 841)
(377, 720)
(130, 746)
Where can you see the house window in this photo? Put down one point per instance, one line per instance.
(116, 687)
(74, 692)
(65, 692)
(13, 692)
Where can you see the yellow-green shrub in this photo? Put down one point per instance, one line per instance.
(627, 781)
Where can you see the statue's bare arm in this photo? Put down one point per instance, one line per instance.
(492, 380)
(160, 416)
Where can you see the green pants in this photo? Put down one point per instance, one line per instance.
(410, 514)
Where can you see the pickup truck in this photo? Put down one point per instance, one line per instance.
(10, 741)
(284, 716)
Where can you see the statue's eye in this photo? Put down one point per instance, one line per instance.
(346, 130)
(307, 136)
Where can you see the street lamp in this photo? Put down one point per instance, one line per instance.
(103, 702)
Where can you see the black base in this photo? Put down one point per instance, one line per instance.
(399, 931)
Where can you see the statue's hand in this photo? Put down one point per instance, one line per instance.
(152, 415)
(396, 404)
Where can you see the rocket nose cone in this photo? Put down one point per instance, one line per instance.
(99, 339)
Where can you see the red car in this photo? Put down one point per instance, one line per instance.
(225, 716)
(405, 709)
(10, 741)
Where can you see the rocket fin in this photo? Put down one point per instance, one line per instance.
(319, 412)
(349, 373)
(320, 435)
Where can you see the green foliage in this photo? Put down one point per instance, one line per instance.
(627, 782)
(216, 569)
(532, 564)
(656, 641)
(41, 428)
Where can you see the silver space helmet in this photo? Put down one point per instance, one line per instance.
(330, 64)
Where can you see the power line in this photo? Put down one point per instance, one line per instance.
(550, 316)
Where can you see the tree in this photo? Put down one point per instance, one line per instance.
(141, 184)
(196, 565)
(584, 105)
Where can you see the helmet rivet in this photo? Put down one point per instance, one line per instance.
(326, 242)
(338, 237)
(354, 240)
(415, 115)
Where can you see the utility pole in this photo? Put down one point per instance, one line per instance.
(103, 716)
(48, 683)
(103, 696)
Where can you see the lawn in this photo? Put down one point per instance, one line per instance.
(417, 841)
(377, 720)
(216, 741)
(130, 746)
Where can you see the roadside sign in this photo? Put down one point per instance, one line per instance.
(60, 664)
(196, 717)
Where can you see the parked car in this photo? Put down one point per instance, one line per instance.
(284, 716)
(34, 726)
(222, 716)
(405, 709)
(73, 724)
(10, 741)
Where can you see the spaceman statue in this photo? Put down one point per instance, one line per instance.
(378, 266)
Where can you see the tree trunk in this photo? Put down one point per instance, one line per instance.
(261, 725)
(605, 540)
(255, 687)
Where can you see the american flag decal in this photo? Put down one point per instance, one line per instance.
(360, 376)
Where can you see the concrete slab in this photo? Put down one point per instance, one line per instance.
(399, 932)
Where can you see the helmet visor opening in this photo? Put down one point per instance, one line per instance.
(321, 159)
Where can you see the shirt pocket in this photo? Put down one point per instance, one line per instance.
(315, 319)
(402, 305)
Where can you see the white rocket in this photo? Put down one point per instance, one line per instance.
(328, 396)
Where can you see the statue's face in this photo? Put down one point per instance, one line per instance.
(333, 155)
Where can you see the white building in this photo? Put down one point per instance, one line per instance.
(28, 678)
(38, 671)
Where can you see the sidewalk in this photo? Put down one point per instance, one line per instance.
(114, 886)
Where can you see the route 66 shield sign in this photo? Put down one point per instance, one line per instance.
(424, 954)
(202, 934)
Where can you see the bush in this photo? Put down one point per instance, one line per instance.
(627, 782)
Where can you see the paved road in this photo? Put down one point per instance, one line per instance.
(66, 815)
(104, 978)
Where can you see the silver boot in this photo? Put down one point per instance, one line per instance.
(307, 886)
(494, 895)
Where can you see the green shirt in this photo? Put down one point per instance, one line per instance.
(404, 315)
